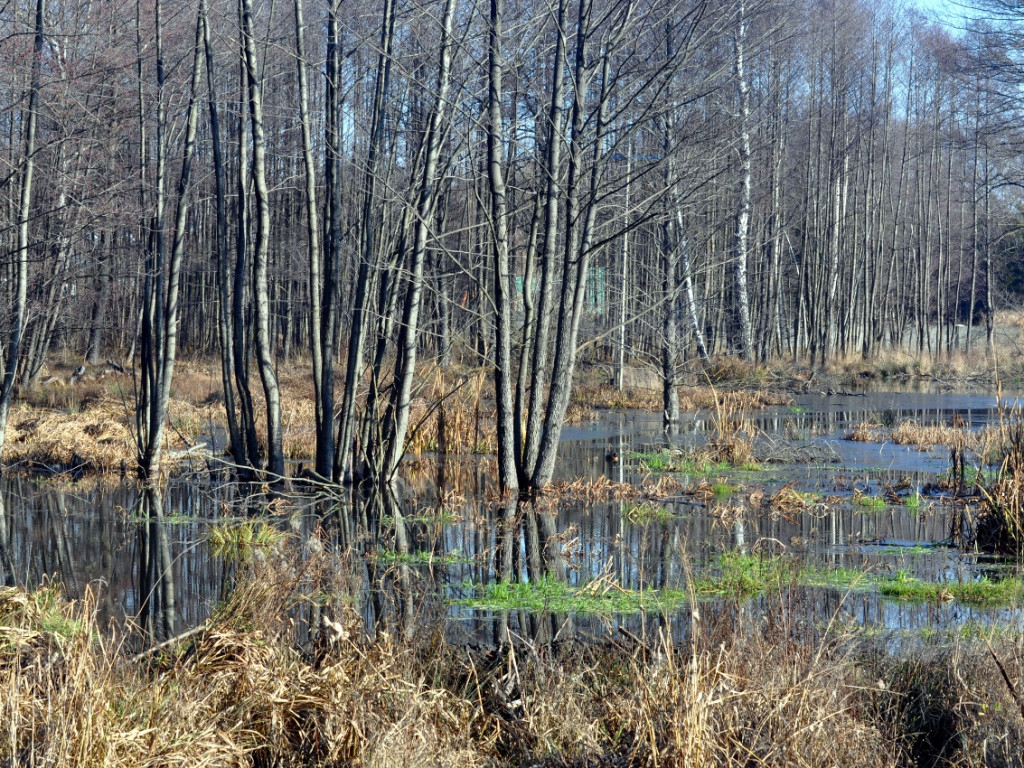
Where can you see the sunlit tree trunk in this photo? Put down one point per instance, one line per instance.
(30, 121)
(261, 249)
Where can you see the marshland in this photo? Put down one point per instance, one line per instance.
(548, 382)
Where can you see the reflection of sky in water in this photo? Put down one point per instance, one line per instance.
(86, 535)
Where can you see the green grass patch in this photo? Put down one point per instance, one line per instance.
(238, 542)
(550, 595)
(871, 503)
(655, 461)
(733, 575)
(835, 578)
(695, 463)
(983, 590)
(721, 488)
(423, 557)
(430, 517)
(741, 575)
(646, 512)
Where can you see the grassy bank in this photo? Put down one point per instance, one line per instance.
(247, 689)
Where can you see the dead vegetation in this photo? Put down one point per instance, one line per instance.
(86, 421)
(691, 398)
(246, 689)
(925, 437)
(1000, 526)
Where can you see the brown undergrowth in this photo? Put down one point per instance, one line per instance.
(924, 437)
(606, 397)
(87, 421)
(245, 690)
(1000, 525)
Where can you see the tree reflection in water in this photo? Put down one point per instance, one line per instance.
(156, 593)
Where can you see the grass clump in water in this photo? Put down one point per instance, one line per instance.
(600, 596)
(238, 542)
(646, 512)
(655, 461)
(742, 575)
(983, 590)
(423, 557)
(870, 503)
(721, 488)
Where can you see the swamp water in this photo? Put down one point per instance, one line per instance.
(863, 510)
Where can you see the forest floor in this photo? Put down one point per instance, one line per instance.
(86, 423)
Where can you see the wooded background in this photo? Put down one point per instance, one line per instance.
(511, 183)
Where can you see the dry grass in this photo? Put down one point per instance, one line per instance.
(239, 692)
(454, 416)
(98, 438)
(865, 432)
(705, 397)
(924, 437)
(88, 423)
(732, 438)
(243, 690)
(1001, 523)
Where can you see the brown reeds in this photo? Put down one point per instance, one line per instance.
(732, 436)
(691, 398)
(243, 689)
(453, 417)
(1000, 525)
(865, 432)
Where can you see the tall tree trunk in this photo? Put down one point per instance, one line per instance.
(507, 476)
(397, 419)
(322, 353)
(746, 335)
(344, 450)
(225, 330)
(261, 250)
(165, 324)
(30, 120)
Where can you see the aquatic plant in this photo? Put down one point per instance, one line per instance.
(655, 461)
(1000, 526)
(239, 542)
(742, 575)
(904, 586)
(788, 499)
(732, 436)
(721, 487)
(732, 690)
(864, 432)
(867, 501)
(646, 511)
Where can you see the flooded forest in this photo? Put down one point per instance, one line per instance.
(512, 382)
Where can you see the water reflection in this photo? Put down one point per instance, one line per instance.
(410, 554)
(156, 591)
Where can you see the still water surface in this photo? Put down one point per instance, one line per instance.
(93, 534)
